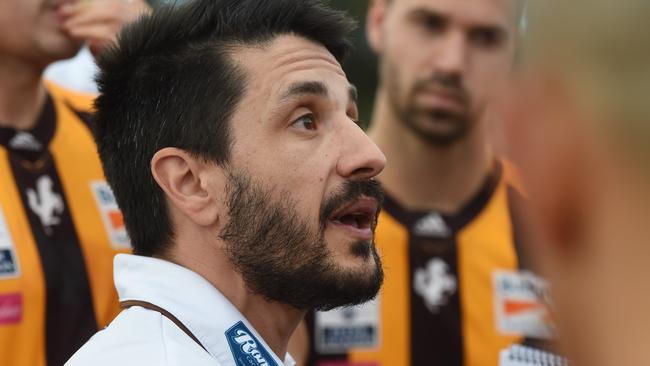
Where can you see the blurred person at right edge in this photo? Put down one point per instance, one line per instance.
(457, 290)
(59, 224)
(578, 122)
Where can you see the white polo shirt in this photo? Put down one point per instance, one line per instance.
(139, 336)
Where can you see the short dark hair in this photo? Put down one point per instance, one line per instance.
(170, 82)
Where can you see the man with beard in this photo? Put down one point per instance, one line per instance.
(228, 133)
(59, 224)
(455, 292)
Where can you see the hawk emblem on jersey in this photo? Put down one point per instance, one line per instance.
(45, 203)
(435, 284)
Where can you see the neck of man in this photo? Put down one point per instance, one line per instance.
(274, 321)
(22, 93)
(423, 176)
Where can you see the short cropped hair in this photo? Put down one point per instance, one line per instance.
(170, 82)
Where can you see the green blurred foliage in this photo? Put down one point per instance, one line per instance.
(361, 66)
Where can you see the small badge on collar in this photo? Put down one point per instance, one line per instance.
(246, 349)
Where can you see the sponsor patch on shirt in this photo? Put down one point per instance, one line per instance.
(521, 303)
(338, 330)
(11, 309)
(246, 349)
(8, 259)
(111, 215)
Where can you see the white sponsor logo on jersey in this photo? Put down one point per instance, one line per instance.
(339, 330)
(432, 225)
(111, 215)
(25, 141)
(521, 305)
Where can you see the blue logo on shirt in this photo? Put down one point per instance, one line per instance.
(7, 263)
(246, 349)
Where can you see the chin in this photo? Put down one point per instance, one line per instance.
(60, 48)
(362, 260)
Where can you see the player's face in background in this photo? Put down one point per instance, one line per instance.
(32, 30)
(441, 61)
(302, 207)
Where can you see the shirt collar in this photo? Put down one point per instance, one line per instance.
(195, 302)
(31, 144)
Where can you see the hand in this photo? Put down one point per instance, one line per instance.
(97, 22)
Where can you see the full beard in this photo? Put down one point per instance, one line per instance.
(438, 127)
(281, 258)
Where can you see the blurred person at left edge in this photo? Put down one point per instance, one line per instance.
(59, 224)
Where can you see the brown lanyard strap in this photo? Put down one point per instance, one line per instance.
(165, 313)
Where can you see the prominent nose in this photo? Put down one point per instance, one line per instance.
(359, 157)
(451, 56)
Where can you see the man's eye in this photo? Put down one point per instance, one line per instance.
(307, 122)
(486, 38)
(433, 24)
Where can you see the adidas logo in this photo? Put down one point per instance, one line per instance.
(25, 141)
(432, 225)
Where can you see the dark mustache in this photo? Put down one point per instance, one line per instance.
(351, 191)
(448, 84)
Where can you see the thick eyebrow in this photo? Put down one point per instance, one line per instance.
(443, 19)
(304, 87)
(314, 88)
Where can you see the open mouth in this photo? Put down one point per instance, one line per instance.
(357, 218)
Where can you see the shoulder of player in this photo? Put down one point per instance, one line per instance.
(511, 177)
(77, 101)
(137, 337)
(81, 104)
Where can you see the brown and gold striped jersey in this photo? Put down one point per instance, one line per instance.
(59, 230)
(456, 288)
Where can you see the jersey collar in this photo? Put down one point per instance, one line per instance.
(31, 144)
(454, 222)
(217, 324)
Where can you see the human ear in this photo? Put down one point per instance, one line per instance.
(375, 25)
(185, 181)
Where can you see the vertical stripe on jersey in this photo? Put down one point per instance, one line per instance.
(23, 343)
(394, 298)
(69, 317)
(515, 207)
(435, 329)
(485, 246)
(518, 215)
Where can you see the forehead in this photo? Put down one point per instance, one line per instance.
(287, 59)
(496, 12)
